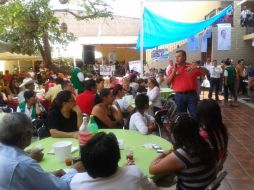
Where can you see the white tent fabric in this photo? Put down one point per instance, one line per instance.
(14, 56)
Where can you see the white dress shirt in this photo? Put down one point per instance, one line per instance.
(215, 72)
(126, 178)
(140, 122)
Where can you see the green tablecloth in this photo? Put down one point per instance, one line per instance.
(132, 139)
(166, 92)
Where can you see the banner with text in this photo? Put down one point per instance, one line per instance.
(135, 66)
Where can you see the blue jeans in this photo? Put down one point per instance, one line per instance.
(187, 101)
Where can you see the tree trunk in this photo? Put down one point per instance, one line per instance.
(46, 56)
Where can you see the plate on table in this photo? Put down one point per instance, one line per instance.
(73, 149)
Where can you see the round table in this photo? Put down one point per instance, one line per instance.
(131, 139)
(166, 92)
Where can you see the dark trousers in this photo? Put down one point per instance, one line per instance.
(231, 88)
(187, 101)
(242, 86)
(214, 84)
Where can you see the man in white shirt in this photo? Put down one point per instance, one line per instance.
(223, 40)
(208, 64)
(215, 78)
(100, 157)
(245, 12)
(28, 83)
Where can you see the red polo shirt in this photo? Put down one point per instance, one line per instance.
(184, 80)
(85, 101)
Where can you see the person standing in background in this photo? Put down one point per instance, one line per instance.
(77, 77)
(215, 73)
(229, 81)
(183, 78)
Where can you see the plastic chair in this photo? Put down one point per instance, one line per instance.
(159, 118)
(43, 132)
(217, 181)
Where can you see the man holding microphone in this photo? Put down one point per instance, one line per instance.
(183, 79)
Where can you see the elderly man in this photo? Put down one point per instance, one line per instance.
(183, 77)
(18, 170)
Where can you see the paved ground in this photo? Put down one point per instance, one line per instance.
(240, 161)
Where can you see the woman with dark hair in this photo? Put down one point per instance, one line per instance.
(192, 160)
(121, 104)
(100, 157)
(106, 116)
(140, 120)
(13, 88)
(212, 129)
(154, 94)
(64, 117)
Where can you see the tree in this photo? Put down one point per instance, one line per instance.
(31, 27)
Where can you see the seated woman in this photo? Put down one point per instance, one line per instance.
(154, 94)
(140, 120)
(13, 88)
(100, 158)
(64, 117)
(120, 103)
(106, 116)
(192, 160)
(212, 129)
(31, 107)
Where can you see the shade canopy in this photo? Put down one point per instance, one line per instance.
(158, 30)
(13, 56)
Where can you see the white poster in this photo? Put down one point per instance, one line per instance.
(204, 42)
(224, 37)
(193, 43)
(135, 66)
(105, 70)
(112, 57)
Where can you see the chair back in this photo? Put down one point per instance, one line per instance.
(217, 181)
(43, 132)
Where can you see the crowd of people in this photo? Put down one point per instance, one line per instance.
(196, 129)
(247, 17)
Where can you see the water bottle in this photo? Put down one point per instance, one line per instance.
(84, 134)
(92, 125)
(83, 126)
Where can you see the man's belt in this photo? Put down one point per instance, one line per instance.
(187, 92)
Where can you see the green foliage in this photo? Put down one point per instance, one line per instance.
(31, 27)
(88, 69)
(64, 65)
(23, 24)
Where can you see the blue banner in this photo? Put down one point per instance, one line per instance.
(159, 30)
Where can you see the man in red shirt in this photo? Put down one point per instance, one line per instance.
(183, 78)
(85, 100)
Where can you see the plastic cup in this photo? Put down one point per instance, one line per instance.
(120, 143)
(68, 161)
(62, 150)
(129, 154)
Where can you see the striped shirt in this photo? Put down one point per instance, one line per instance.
(195, 175)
